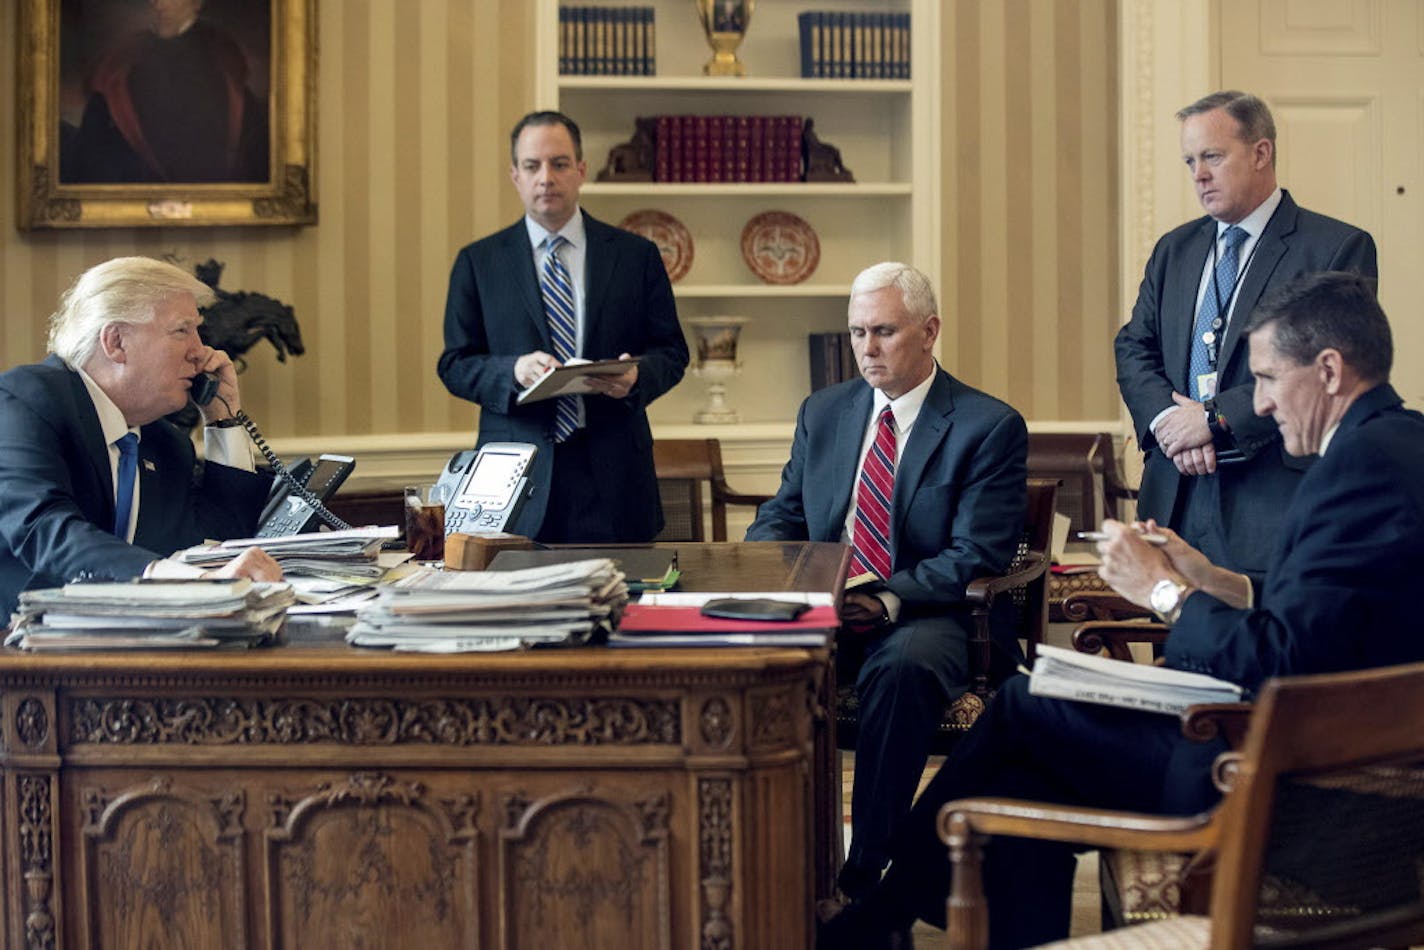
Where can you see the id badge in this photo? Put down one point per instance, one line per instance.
(1206, 385)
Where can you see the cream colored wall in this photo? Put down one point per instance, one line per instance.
(414, 111)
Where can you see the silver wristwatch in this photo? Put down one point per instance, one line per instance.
(1166, 599)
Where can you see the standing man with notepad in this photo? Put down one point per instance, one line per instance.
(556, 286)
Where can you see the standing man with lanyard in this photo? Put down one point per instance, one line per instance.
(1214, 471)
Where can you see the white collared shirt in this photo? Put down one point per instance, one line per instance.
(574, 256)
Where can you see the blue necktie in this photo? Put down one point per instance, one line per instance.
(1214, 308)
(557, 288)
(128, 471)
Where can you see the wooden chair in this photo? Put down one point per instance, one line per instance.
(1025, 583)
(1325, 807)
(684, 467)
(1092, 489)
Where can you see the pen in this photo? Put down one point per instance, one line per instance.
(1101, 536)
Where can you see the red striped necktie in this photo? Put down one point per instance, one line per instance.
(872, 501)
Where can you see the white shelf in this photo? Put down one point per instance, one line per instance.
(782, 189)
(750, 85)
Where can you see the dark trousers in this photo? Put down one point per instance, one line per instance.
(906, 679)
(1043, 750)
(576, 512)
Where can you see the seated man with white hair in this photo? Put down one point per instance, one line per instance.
(93, 480)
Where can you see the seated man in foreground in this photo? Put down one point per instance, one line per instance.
(926, 478)
(1338, 596)
(93, 480)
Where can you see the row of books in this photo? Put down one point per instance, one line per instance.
(832, 359)
(854, 45)
(728, 148)
(606, 41)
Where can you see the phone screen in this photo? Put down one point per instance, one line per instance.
(492, 482)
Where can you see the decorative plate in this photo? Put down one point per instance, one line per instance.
(780, 248)
(673, 240)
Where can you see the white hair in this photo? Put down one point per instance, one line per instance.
(914, 287)
(123, 290)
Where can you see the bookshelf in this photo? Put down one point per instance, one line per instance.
(888, 133)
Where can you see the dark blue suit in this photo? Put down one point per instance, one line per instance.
(1237, 512)
(1340, 595)
(494, 314)
(957, 512)
(57, 492)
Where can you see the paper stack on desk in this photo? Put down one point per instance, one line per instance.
(350, 556)
(150, 615)
(465, 611)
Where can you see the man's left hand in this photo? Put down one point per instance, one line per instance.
(615, 386)
(253, 563)
(1183, 428)
(1129, 564)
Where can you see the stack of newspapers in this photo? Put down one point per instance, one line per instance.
(1066, 674)
(464, 611)
(150, 615)
(321, 565)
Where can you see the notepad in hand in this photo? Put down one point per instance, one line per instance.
(573, 378)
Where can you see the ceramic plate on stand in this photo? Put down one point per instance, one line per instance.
(780, 248)
(668, 233)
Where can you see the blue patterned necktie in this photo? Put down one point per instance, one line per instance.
(1211, 318)
(128, 472)
(557, 288)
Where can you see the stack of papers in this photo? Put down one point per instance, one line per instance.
(645, 568)
(150, 615)
(464, 611)
(350, 557)
(1068, 674)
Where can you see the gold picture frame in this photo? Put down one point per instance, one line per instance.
(79, 171)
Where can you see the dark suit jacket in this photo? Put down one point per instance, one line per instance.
(494, 315)
(1152, 357)
(57, 494)
(959, 487)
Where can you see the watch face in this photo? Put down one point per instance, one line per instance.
(1164, 597)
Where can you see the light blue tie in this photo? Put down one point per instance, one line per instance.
(1211, 318)
(557, 288)
(128, 471)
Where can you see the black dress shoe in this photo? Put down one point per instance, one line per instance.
(849, 926)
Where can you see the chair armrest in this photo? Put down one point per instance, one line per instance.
(1100, 605)
(963, 824)
(1114, 636)
(982, 590)
(737, 498)
(1094, 827)
(1208, 721)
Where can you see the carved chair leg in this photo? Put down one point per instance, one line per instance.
(966, 909)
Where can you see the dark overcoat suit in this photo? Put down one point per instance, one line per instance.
(1340, 595)
(494, 314)
(1245, 501)
(958, 509)
(57, 492)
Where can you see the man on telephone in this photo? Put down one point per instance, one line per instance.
(555, 285)
(93, 480)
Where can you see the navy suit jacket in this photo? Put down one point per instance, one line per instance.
(494, 314)
(960, 484)
(1152, 359)
(57, 493)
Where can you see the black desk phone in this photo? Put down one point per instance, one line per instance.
(295, 504)
(485, 489)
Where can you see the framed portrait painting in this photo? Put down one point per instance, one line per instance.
(164, 113)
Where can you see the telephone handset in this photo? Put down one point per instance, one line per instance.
(484, 489)
(300, 507)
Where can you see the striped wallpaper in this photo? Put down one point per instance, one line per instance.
(415, 101)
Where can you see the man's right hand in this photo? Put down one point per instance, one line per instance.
(253, 563)
(531, 366)
(1185, 437)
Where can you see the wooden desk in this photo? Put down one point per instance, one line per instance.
(313, 795)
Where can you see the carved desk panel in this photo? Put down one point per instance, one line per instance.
(316, 796)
